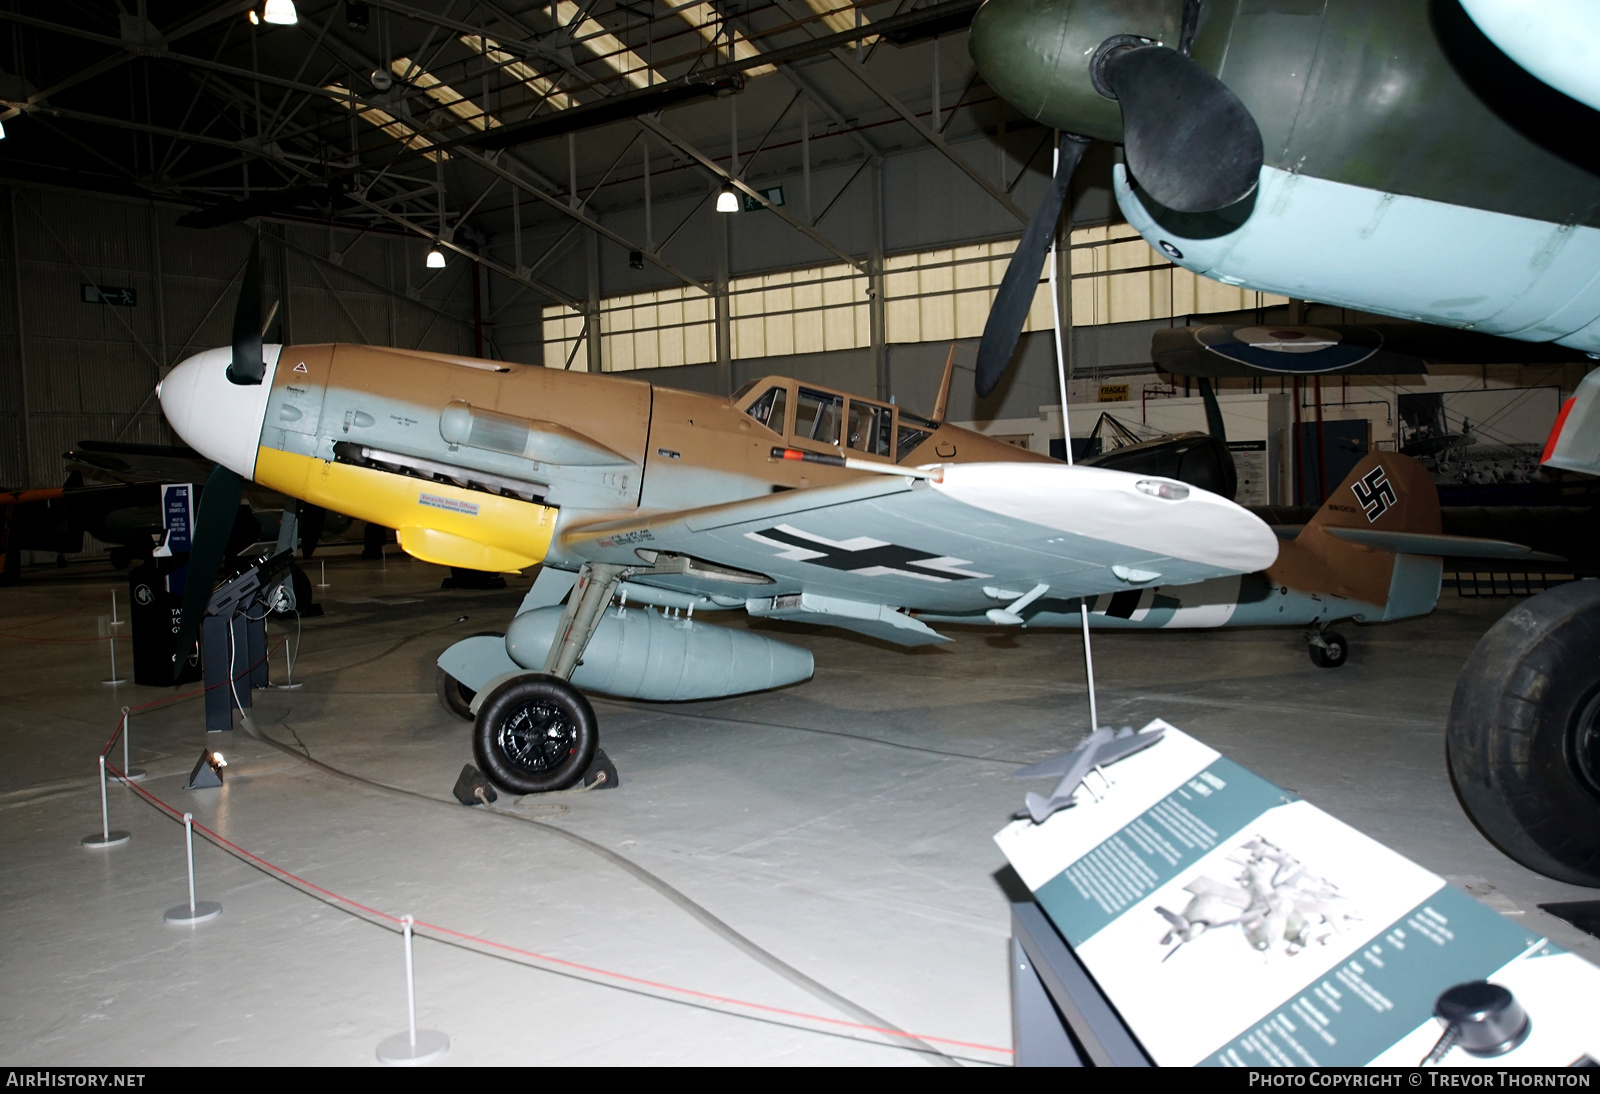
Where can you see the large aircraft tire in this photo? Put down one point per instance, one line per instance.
(535, 734)
(1523, 740)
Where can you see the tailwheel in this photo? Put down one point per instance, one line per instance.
(534, 734)
(1328, 649)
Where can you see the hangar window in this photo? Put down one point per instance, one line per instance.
(799, 311)
(936, 296)
(674, 326)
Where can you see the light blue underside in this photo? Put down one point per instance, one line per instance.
(1408, 257)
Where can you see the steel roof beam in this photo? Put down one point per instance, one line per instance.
(927, 133)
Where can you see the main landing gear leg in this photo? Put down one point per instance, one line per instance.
(537, 733)
(1328, 649)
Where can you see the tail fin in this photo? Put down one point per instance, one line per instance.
(1385, 493)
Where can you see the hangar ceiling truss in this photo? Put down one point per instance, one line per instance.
(438, 118)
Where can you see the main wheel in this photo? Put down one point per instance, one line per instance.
(455, 696)
(1334, 655)
(1523, 741)
(535, 733)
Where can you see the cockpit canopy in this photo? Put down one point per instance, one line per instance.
(809, 416)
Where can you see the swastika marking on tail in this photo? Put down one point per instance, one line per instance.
(1374, 494)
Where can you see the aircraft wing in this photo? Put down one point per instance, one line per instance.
(861, 553)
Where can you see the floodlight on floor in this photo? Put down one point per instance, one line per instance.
(280, 13)
(726, 201)
(255, 20)
(2, 131)
(207, 771)
(436, 259)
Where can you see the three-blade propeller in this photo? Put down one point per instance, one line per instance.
(1190, 145)
(1015, 298)
(1189, 142)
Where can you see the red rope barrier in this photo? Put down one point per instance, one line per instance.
(590, 970)
(152, 704)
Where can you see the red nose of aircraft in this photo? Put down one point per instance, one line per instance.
(218, 419)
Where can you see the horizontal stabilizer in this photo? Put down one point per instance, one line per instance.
(1415, 543)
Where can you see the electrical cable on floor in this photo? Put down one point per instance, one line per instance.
(664, 888)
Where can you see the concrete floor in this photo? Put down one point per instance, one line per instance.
(838, 831)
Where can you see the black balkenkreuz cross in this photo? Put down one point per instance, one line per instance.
(872, 557)
(1374, 494)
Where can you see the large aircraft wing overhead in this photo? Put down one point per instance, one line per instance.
(976, 536)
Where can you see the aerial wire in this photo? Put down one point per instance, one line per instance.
(1066, 429)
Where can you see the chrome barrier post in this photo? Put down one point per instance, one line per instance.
(186, 915)
(414, 1046)
(129, 772)
(105, 837)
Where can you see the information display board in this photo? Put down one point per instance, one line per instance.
(1232, 924)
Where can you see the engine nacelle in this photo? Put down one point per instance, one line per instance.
(637, 653)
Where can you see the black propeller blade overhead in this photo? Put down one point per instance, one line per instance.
(1190, 143)
(1017, 287)
(219, 506)
(247, 366)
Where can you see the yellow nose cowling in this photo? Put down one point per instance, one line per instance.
(435, 522)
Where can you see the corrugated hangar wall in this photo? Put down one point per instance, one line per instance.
(72, 368)
(910, 201)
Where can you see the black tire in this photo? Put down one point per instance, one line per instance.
(453, 695)
(1523, 742)
(1333, 657)
(534, 734)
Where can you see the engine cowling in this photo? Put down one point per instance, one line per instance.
(637, 653)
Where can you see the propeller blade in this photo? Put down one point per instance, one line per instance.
(1190, 143)
(1018, 286)
(248, 367)
(219, 506)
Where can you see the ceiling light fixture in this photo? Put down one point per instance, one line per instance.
(436, 259)
(280, 13)
(726, 201)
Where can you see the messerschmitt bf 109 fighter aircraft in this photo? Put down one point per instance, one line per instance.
(785, 501)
